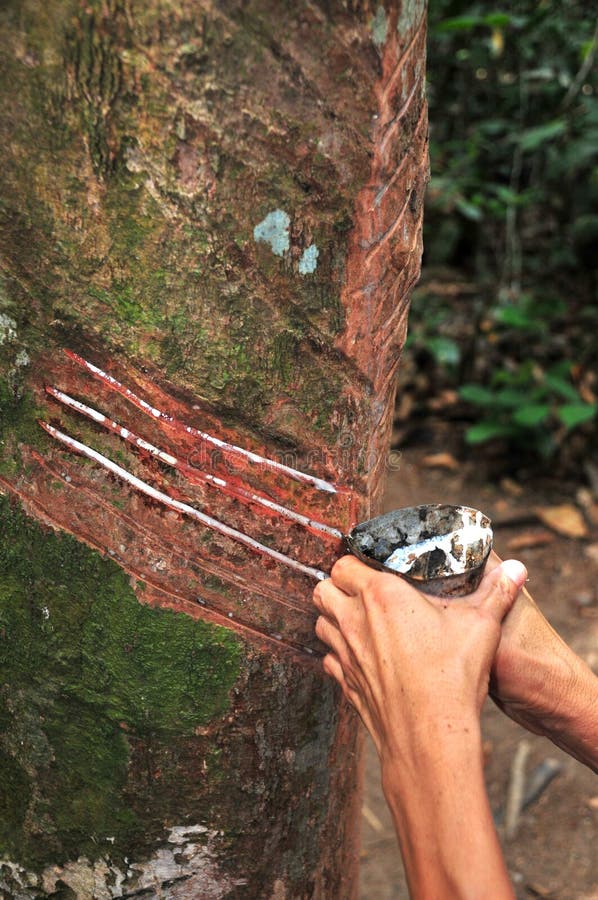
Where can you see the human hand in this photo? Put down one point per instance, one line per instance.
(416, 668)
(404, 658)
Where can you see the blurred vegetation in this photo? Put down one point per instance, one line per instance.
(506, 314)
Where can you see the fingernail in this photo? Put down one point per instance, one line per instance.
(515, 570)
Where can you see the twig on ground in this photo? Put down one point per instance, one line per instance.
(539, 780)
(516, 789)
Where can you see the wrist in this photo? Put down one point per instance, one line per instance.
(428, 742)
(573, 725)
(442, 816)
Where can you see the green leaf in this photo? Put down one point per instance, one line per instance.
(494, 126)
(469, 210)
(512, 398)
(487, 431)
(531, 415)
(516, 317)
(476, 394)
(460, 23)
(508, 196)
(497, 20)
(561, 387)
(573, 414)
(444, 350)
(535, 137)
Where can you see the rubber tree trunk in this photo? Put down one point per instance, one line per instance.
(210, 226)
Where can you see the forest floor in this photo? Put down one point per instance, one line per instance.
(554, 853)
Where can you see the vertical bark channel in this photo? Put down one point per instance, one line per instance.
(210, 222)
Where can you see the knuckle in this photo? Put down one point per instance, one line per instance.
(367, 581)
(503, 589)
(342, 614)
(340, 566)
(376, 590)
(324, 597)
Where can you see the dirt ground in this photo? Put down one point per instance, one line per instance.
(554, 853)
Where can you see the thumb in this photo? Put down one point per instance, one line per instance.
(500, 587)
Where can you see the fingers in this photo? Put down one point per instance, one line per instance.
(501, 586)
(333, 668)
(329, 634)
(515, 571)
(350, 574)
(333, 602)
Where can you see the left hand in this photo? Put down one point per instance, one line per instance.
(405, 659)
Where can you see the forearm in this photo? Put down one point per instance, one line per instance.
(546, 686)
(442, 817)
(578, 731)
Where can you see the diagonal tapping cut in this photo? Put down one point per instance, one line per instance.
(320, 484)
(248, 607)
(179, 506)
(201, 602)
(202, 525)
(192, 473)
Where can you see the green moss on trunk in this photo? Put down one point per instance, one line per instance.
(86, 670)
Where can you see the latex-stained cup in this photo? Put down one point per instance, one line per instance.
(445, 548)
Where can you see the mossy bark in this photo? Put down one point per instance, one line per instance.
(220, 204)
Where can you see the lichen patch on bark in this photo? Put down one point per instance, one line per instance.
(182, 866)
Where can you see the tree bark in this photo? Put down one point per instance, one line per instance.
(211, 222)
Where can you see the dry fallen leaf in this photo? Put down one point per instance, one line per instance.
(511, 487)
(440, 461)
(588, 612)
(583, 598)
(404, 407)
(587, 394)
(536, 889)
(584, 497)
(442, 400)
(592, 552)
(530, 539)
(565, 519)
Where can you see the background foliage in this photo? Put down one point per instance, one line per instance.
(506, 312)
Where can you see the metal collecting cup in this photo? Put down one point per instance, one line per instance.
(440, 549)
